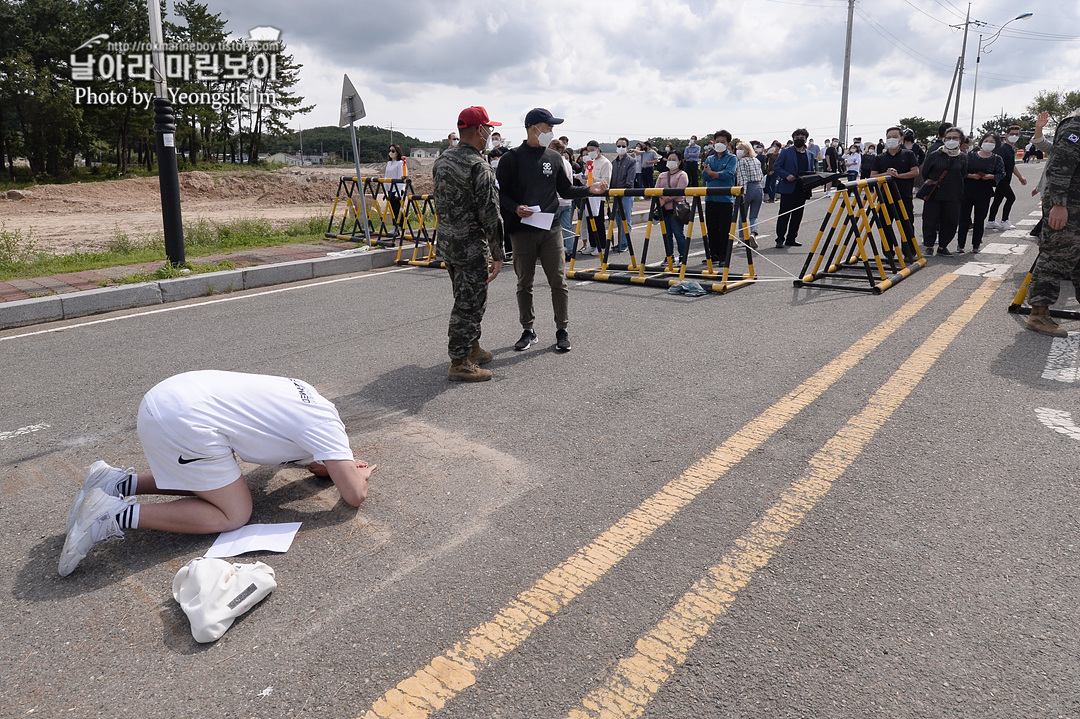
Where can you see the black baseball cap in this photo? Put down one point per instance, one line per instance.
(539, 114)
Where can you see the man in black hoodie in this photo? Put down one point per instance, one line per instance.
(532, 175)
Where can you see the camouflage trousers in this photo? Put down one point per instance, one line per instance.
(469, 281)
(1059, 259)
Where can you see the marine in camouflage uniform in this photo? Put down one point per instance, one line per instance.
(470, 231)
(1059, 250)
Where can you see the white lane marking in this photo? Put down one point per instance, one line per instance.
(999, 248)
(1036, 213)
(1059, 421)
(1026, 223)
(204, 304)
(1061, 360)
(583, 282)
(1016, 233)
(982, 269)
(23, 430)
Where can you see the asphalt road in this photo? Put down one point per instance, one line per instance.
(777, 502)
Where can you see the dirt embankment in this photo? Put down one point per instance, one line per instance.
(87, 215)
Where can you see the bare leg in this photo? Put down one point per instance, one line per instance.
(218, 510)
(147, 485)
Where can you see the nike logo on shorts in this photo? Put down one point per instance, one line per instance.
(181, 459)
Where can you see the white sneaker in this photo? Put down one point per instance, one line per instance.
(100, 476)
(95, 522)
(993, 225)
(1006, 225)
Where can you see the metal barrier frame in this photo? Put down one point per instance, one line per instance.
(718, 279)
(385, 226)
(869, 207)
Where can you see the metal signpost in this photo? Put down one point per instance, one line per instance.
(352, 109)
(165, 132)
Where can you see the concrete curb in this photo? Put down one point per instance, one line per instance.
(21, 313)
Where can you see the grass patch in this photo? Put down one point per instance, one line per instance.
(169, 272)
(20, 258)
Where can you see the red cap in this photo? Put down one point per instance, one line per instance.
(474, 117)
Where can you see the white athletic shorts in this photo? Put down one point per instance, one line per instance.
(175, 466)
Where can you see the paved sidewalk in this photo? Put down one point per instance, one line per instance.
(95, 279)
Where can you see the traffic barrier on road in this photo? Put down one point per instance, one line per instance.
(384, 222)
(713, 277)
(1017, 306)
(864, 227)
(417, 229)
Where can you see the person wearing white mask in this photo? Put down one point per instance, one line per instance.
(452, 139)
(691, 157)
(985, 168)
(1004, 192)
(622, 177)
(944, 170)
(899, 163)
(533, 175)
(720, 172)
(675, 179)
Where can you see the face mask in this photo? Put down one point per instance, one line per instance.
(800, 142)
(741, 153)
(495, 163)
(620, 150)
(672, 165)
(720, 148)
(496, 143)
(593, 154)
(693, 140)
(909, 143)
(1013, 138)
(545, 138)
(989, 147)
(453, 143)
(952, 144)
(892, 143)
(393, 155)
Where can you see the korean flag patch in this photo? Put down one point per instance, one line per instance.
(1074, 138)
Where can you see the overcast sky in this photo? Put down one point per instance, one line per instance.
(643, 68)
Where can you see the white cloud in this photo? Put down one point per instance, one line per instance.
(660, 67)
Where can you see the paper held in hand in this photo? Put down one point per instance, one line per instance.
(538, 219)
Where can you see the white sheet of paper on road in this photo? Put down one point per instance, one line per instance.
(254, 538)
(541, 220)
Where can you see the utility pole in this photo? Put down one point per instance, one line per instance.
(960, 74)
(847, 73)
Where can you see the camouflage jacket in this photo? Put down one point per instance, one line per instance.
(1062, 173)
(467, 206)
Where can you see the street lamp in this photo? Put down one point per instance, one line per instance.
(985, 48)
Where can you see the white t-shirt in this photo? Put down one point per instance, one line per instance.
(395, 170)
(263, 419)
(853, 161)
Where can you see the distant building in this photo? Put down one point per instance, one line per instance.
(422, 152)
(285, 158)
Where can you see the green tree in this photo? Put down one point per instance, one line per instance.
(925, 130)
(197, 124)
(1000, 124)
(273, 102)
(1059, 104)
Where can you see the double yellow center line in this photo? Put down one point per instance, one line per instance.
(640, 675)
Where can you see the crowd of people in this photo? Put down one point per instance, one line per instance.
(966, 201)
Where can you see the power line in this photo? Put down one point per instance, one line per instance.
(916, 7)
(897, 43)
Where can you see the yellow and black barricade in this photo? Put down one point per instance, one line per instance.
(672, 270)
(857, 246)
(385, 224)
(1017, 307)
(421, 230)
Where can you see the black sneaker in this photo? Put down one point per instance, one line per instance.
(942, 252)
(562, 341)
(528, 339)
(792, 243)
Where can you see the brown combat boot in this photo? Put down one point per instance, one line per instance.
(479, 355)
(1041, 322)
(464, 370)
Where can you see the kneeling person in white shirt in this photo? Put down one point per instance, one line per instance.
(192, 427)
